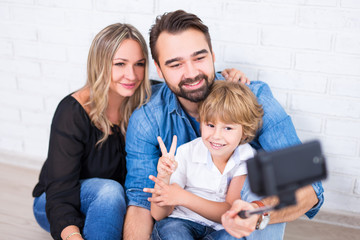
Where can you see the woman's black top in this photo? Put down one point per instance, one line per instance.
(73, 156)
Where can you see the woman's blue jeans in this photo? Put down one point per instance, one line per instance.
(102, 203)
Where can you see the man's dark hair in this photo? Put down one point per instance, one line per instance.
(175, 22)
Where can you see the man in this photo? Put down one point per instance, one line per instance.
(181, 48)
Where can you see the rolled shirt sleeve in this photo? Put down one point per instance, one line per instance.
(141, 159)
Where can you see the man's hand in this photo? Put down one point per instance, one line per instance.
(236, 226)
(165, 194)
(234, 75)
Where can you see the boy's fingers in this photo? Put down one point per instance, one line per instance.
(157, 181)
(149, 190)
(173, 146)
(162, 146)
(152, 190)
(154, 199)
(168, 163)
(166, 170)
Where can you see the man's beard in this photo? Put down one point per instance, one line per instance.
(196, 95)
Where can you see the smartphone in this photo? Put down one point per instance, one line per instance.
(282, 171)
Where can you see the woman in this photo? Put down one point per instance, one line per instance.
(80, 191)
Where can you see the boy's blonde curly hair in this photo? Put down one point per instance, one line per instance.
(233, 103)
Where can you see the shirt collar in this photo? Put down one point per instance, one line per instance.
(200, 151)
(202, 154)
(174, 104)
(241, 154)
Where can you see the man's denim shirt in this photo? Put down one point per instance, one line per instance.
(163, 116)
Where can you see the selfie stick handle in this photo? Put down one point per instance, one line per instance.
(245, 214)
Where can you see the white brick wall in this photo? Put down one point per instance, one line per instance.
(308, 51)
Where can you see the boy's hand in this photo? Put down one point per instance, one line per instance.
(167, 164)
(165, 194)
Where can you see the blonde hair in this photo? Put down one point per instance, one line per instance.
(233, 103)
(99, 65)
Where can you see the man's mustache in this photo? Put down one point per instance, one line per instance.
(192, 80)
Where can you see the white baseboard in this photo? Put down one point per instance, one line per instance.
(21, 160)
(344, 219)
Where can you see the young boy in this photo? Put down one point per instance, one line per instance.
(189, 199)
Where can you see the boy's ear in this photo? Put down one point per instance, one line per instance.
(158, 70)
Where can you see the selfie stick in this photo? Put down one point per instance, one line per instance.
(286, 198)
(245, 214)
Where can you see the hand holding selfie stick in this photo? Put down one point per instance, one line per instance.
(286, 199)
(281, 173)
(245, 214)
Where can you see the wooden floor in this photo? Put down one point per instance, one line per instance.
(16, 216)
(17, 221)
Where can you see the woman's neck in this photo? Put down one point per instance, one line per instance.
(83, 96)
(113, 109)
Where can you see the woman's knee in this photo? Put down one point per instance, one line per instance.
(112, 191)
(104, 190)
(40, 213)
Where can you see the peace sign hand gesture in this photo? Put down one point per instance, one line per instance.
(167, 164)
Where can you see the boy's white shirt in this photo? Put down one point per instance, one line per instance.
(197, 174)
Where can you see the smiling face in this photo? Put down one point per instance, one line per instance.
(221, 139)
(128, 68)
(186, 63)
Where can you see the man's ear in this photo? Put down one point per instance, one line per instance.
(213, 55)
(158, 70)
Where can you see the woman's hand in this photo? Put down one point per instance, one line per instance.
(234, 75)
(71, 232)
(167, 164)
